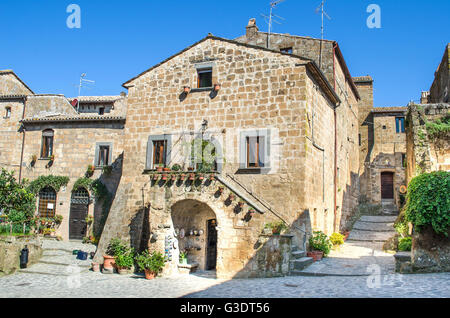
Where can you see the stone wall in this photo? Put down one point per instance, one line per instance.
(430, 252)
(10, 248)
(260, 90)
(440, 89)
(426, 154)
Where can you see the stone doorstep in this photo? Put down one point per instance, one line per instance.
(187, 268)
(301, 263)
(298, 254)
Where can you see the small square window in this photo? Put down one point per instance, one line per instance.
(101, 111)
(8, 112)
(287, 50)
(159, 152)
(400, 124)
(255, 157)
(103, 156)
(205, 78)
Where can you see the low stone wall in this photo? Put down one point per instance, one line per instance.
(10, 248)
(272, 258)
(430, 252)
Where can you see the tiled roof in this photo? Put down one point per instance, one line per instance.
(73, 119)
(96, 99)
(12, 96)
(362, 79)
(389, 110)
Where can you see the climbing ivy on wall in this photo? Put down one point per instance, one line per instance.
(428, 201)
(56, 182)
(101, 193)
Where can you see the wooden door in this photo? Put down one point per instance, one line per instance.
(387, 185)
(211, 247)
(79, 209)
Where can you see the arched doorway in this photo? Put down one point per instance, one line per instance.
(79, 209)
(196, 223)
(47, 202)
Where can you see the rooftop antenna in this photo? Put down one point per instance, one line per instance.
(82, 80)
(321, 9)
(270, 19)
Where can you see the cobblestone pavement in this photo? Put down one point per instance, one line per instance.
(97, 285)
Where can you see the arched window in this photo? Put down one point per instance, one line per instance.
(47, 143)
(47, 202)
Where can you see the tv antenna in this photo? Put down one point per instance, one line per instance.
(272, 18)
(321, 9)
(82, 81)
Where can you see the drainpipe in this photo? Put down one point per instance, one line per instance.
(335, 142)
(323, 157)
(23, 139)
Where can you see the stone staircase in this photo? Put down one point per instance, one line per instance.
(299, 261)
(58, 259)
(389, 208)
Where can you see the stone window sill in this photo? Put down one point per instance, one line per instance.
(202, 89)
(253, 170)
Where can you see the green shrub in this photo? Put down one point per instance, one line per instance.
(337, 239)
(428, 201)
(125, 257)
(276, 227)
(320, 242)
(116, 247)
(153, 262)
(405, 244)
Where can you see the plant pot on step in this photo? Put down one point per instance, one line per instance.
(96, 267)
(109, 262)
(149, 274)
(123, 270)
(316, 255)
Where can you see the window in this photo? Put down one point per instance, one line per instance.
(359, 139)
(404, 163)
(255, 150)
(103, 154)
(287, 50)
(8, 112)
(205, 77)
(254, 153)
(101, 111)
(158, 151)
(400, 124)
(47, 202)
(47, 144)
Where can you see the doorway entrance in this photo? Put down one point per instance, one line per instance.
(79, 209)
(211, 247)
(387, 185)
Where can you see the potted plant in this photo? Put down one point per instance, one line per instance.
(115, 247)
(182, 177)
(166, 169)
(90, 170)
(192, 176)
(217, 87)
(52, 158)
(151, 264)
(183, 258)
(220, 190)
(176, 167)
(124, 260)
(320, 246)
(276, 227)
(159, 167)
(337, 239)
(89, 219)
(201, 177)
(212, 176)
(33, 160)
(58, 219)
(231, 197)
(186, 89)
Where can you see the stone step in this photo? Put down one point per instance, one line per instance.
(369, 236)
(378, 227)
(294, 248)
(298, 254)
(65, 260)
(53, 270)
(377, 246)
(378, 219)
(302, 263)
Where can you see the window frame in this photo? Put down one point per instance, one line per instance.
(205, 70)
(149, 165)
(98, 147)
(400, 125)
(287, 50)
(263, 152)
(47, 149)
(8, 112)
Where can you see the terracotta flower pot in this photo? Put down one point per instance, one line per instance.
(159, 169)
(166, 169)
(109, 262)
(187, 89)
(149, 274)
(316, 255)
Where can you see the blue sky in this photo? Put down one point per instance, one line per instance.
(120, 39)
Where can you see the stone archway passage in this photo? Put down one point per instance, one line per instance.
(79, 209)
(199, 223)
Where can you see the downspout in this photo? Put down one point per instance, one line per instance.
(335, 142)
(23, 139)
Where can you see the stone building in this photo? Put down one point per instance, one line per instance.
(382, 141)
(37, 128)
(284, 135)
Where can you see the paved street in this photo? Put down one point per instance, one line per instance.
(92, 285)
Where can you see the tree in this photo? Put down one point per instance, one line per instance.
(16, 202)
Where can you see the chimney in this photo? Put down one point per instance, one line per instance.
(252, 29)
(424, 98)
